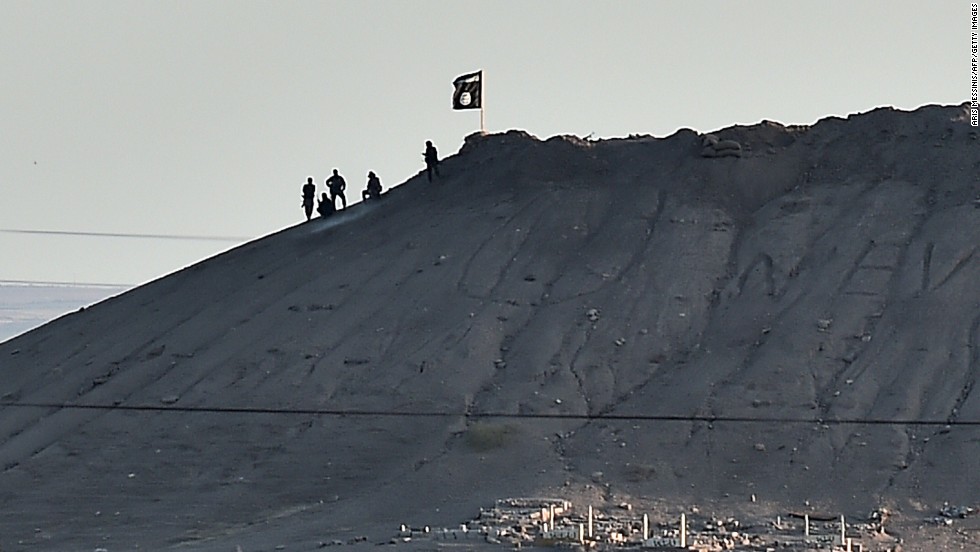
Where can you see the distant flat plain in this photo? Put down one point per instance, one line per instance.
(24, 307)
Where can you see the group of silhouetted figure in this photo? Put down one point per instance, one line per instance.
(327, 205)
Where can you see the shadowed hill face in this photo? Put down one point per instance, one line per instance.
(828, 274)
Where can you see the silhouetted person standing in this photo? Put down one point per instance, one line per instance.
(326, 206)
(373, 190)
(337, 185)
(309, 190)
(431, 157)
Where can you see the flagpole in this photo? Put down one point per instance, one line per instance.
(483, 102)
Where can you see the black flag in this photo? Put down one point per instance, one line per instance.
(468, 91)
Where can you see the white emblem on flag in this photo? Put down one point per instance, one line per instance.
(467, 91)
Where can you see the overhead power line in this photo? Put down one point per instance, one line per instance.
(63, 284)
(124, 235)
(481, 415)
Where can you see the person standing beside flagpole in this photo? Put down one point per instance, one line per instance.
(431, 157)
(468, 94)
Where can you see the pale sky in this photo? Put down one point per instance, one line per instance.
(204, 118)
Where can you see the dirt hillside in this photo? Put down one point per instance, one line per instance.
(648, 319)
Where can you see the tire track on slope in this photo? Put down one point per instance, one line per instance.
(545, 299)
(960, 265)
(972, 367)
(627, 269)
(137, 383)
(927, 265)
(902, 264)
(892, 289)
(755, 349)
(206, 370)
(820, 396)
(632, 267)
(461, 285)
(135, 387)
(589, 243)
(346, 299)
(385, 354)
(640, 253)
(916, 447)
(573, 361)
(853, 206)
(767, 271)
(38, 443)
(357, 327)
(620, 399)
(630, 270)
(65, 384)
(887, 290)
(854, 203)
(34, 436)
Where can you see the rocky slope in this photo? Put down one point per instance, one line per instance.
(601, 320)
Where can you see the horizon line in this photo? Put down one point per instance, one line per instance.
(46, 283)
(127, 235)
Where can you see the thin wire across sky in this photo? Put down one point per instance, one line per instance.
(124, 235)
